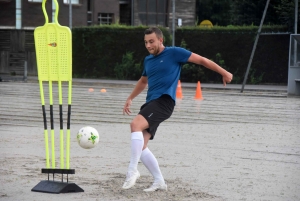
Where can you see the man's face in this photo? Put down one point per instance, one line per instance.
(152, 43)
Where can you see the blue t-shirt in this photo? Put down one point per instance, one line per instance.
(163, 71)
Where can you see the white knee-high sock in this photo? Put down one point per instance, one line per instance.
(137, 143)
(151, 164)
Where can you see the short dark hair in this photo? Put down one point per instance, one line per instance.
(155, 30)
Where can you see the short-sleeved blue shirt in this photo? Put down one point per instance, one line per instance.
(163, 71)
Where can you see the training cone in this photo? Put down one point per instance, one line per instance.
(178, 91)
(198, 94)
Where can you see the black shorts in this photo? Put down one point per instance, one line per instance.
(156, 111)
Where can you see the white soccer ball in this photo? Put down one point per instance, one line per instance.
(87, 137)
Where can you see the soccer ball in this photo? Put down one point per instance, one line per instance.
(87, 137)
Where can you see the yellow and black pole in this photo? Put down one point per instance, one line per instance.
(52, 124)
(45, 124)
(68, 125)
(61, 131)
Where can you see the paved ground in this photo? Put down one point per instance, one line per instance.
(230, 146)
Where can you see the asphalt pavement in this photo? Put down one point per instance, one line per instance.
(232, 145)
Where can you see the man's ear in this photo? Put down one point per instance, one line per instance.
(161, 40)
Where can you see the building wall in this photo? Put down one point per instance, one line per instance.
(8, 13)
(125, 14)
(106, 6)
(184, 9)
(136, 21)
(79, 14)
(32, 14)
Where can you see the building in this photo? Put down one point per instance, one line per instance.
(27, 14)
(18, 19)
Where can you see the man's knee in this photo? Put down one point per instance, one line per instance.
(134, 126)
(139, 123)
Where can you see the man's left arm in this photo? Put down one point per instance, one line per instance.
(197, 59)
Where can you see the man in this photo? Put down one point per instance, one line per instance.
(161, 73)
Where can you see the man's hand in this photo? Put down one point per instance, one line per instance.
(227, 77)
(127, 106)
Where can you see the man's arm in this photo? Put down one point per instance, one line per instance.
(139, 87)
(197, 59)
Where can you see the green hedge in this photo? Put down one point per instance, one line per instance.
(97, 50)
(234, 45)
(116, 52)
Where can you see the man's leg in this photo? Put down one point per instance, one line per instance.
(138, 124)
(151, 164)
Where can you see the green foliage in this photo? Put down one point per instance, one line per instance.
(183, 44)
(236, 79)
(215, 11)
(97, 49)
(254, 79)
(128, 69)
(286, 13)
(190, 72)
(220, 61)
(280, 12)
(271, 55)
(246, 12)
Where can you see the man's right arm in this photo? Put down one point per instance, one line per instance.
(139, 87)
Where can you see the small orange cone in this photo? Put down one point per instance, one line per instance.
(198, 94)
(178, 90)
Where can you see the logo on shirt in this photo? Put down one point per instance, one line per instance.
(150, 115)
(161, 61)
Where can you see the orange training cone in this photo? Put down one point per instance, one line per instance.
(178, 91)
(198, 94)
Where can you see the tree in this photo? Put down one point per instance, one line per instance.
(286, 13)
(249, 12)
(244, 12)
(216, 11)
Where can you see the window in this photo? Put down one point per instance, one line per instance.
(65, 1)
(153, 12)
(72, 1)
(105, 18)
